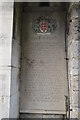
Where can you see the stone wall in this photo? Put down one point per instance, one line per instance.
(10, 60)
(6, 25)
(73, 38)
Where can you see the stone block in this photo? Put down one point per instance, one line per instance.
(75, 99)
(74, 49)
(15, 54)
(6, 20)
(0, 85)
(75, 113)
(7, 6)
(79, 72)
(33, 116)
(14, 105)
(46, 117)
(0, 107)
(5, 56)
(14, 80)
(5, 75)
(74, 13)
(74, 72)
(5, 43)
(75, 85)
(5, 106)
(0, 24)
(74, 63)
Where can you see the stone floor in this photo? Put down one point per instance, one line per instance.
(42, 116)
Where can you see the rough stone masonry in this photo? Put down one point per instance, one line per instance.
(73, 48)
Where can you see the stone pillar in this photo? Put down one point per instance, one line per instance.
(15, 64)
(6, 27)
(73, 61)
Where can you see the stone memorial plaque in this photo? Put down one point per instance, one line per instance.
(43, 84)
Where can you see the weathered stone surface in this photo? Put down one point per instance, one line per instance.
(73, 63)
(37, 116)
(14, 104)
(75, 98)
(15, 63)
(40, 116)
(74, 113)
(6, 22)
(15, 54)
(5, 106)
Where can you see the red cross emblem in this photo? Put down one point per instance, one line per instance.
(43, 27)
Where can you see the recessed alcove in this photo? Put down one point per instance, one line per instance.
(29, 54)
